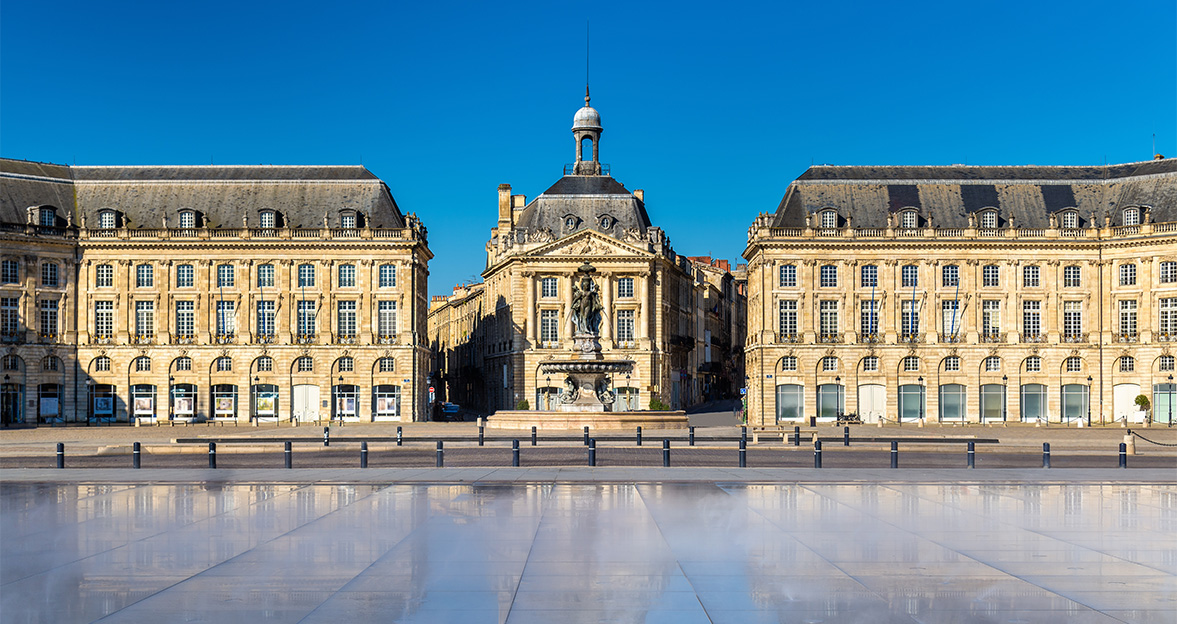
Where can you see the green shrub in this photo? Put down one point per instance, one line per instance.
(657, 405)
(1142, 402)
(523, 405)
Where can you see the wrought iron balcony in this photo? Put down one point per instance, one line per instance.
(385, 338)
(183, 339)
(305, 338)
(993, 337)
(1036, 337)
(1126, 337)
(1165, 337)
(47, 336)
(1074, 337)
(224, 338)
(345, 339)
(829, 338)
(911, 338)
(870, 338)
(102, 339)
(142, 339)
(950, 338)
(263, 338)
(788, 338)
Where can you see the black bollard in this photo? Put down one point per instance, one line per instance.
(440, 455)
(592, 444)
(515, 453)
(744, 433)
(135, 455)
(846, 436)
(691, 436)
(326, 436)
(586, 435)
(398, 436)
(972, 461)
(1123, 455)
(817, 454)
(743, 453)
(894, 454)
(665, 453)
(212, 454)
(639, 435)
(480, 435)
(533, 436)
(796, 436)
(363, 454)
(61, 455)
(289, 453)
(1046, 454)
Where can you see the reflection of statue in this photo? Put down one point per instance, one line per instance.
(569, 394)
(586, 305)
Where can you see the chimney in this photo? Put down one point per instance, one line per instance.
(505, 220)
(518, 203)
(641, 195)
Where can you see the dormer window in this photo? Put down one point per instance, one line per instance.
(187, 219)
(267, 219)
(1131, 216)
(989, 219)
(570, 222)
(347, 220)
(106, 219)
(908, 219)
(47, 217)
(829, 219)
(1070, 219)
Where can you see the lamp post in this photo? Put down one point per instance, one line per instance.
(1004, 398)
(338, 392)
(254, 393)
(547, 392)
(89, 401)
(1089, 399)
(7, 392)
(1170, 401)
(838, 388)
(171, 397)
(628, 394)
(923, 397)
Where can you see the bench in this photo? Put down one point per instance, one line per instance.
(849, 419)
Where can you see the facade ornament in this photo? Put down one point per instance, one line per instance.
(569, 392)
(586, 303)
(224, 353)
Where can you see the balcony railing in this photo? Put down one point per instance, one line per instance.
(993, 337)
(1075, 338)
(1033, 337)
(1047, 233)
(385, 338)
(1126, 337)
(834, 338)
(142, 339)
(789, 338)
(1165, 337)
(102, 339)
(11, 336)
(911, 338)
(869, 338)
(950, 338)
(47, 336)
(305, 338)
(345, 339)
(183, 339)
(263, 338)
(224, 338)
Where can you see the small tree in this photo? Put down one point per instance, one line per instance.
(657, 405)
(1142, 402)
(523, 405)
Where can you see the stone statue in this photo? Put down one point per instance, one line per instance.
(586, 304)
(569, 394)
(604, 392)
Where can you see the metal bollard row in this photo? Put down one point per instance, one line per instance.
(592, 447)
(515, 453)
(743, 453)
(363, 454)
(665, 453)
(1046, 454)
(972, 461)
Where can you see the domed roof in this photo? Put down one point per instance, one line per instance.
(586, 118)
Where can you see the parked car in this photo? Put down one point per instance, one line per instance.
(450, 408)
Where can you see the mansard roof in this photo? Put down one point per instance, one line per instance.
(1025, 196)
(587, 198)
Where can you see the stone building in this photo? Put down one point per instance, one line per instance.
(965, 294)
(457, 347)
(718, 326)
(217, 292)
(534, 251)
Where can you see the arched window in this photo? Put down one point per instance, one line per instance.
(184, 363)
(187, 219)
(47, 216)
(305, 364)
(992, 364)
(789, 363)
(346, 364)
(1075, 365)
(347, 220)
(1070, 219)
(829, 363)
(267, 219)
(911, 363)
(1127, 364)
(101, 364)
(909, 219)
(829, 219)
(586, 148)
(265, 364)
(387, 365)
(142, 364)
(952, 364)
(989, 219)
(1033, 364)
(51, 364)
(1131, 216)
(106, 220)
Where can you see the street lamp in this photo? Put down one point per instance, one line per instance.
(838, 389)
(89, 400)
(171, 397)
(1004, 398)
(1089, 399)
(629, 395)
(1170, 401)
(923, 397)
(7, 391)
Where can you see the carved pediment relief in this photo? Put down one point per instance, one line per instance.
(588, 243)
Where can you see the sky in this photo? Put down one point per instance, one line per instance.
(711, 108)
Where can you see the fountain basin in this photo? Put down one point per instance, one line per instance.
(545, 420)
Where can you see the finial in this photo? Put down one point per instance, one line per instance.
(586, 95)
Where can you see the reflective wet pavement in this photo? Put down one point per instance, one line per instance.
(583, 552)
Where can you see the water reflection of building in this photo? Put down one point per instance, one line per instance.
(520, 316)
(209, 292)
(965, 294)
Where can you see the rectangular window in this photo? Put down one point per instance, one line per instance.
(225, 277)
(306, 276)
(870, 276)
(388, 276)
(1168, 326)
(788, 276)
(347, 276)
(185, 276)
(952, 364)
(829, 276)
(909, 276)
(265, 318)
(625, 287)
(104, 319)
(10, 272)
(49, 274)
(868, 318)
(1031, 277)
(1033, 364)
(625, 326)
(1167, 362)
(48, 309)
(549, 333)
(828, 317)
(347, 318)
(306, 318)
(227, 318)
(1168, 272)
(991, 276)
(870, 364)
(224, 364)
(788, 318)
(1032, 318)
(909, 318)
(1128, 317)
(104, 276)
(187, 219)
(144, 276)
(829, 364)
(1071, 277)
(950, 317)
(386, 318)
(1072, 318)
(989, 219)
(265, 276)
(911, 363)
(990, 317)
(950, 275)
(348, 220)
(267, 219)
(145, 319)
(185, 319)
(789, 363)
(547, 287)
(106, 219)
(1127, 274)
(992, 364)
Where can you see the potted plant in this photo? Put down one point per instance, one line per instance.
(1143, 404)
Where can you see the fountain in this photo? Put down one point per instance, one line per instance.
(587, 396)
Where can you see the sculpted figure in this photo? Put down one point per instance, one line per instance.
(586, 306)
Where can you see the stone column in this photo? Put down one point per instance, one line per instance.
(607, 307)
(529, 291)
(568, 329)
(643, 321)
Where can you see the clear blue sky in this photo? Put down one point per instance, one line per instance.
(712, 108)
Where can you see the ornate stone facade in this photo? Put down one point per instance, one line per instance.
(194, 293)
(965, 294)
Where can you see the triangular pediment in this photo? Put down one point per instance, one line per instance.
(587, 244)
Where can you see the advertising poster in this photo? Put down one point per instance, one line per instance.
(224, 406)
(383, 405)
(49, 406)
(346, 405)
(144, 406)
(184, 405)
(265, 405)
(104, 405)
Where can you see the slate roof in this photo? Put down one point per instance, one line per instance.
(587, 199)
(948, 195)
(220, 195)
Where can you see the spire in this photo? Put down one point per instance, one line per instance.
(586, 94)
